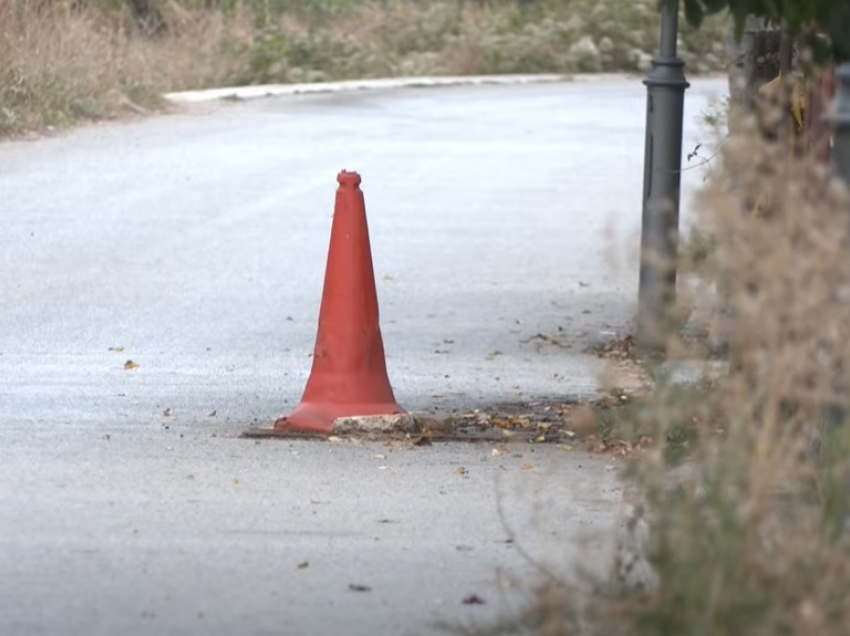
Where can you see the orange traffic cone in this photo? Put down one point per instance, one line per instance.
(349, 373)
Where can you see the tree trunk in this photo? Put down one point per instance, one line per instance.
(147, 17)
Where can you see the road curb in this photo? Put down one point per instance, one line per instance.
(277, 90)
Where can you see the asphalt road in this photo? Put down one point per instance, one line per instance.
(194, 245)
(169, 532)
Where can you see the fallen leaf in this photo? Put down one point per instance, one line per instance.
(235, 481)
(547, 339)
(473, 599)
(522, 422)
(460, 470)
(355, 587)
(303, 565)
(130, 365)
(116, 349)
(497, 452)
(333, 439)
(380, 456)
(527, 467)
(211, 413)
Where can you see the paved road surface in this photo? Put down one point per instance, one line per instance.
(196, 243)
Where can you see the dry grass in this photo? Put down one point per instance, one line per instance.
(61, 66)
(748, 532)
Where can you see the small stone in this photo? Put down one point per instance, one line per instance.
(376, 425)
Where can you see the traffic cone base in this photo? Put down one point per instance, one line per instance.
(319, 418)
(349, 373)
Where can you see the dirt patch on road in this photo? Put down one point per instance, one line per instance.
(571, 424)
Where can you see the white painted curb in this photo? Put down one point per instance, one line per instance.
(274, 90)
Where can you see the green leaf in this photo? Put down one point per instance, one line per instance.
(694, 13)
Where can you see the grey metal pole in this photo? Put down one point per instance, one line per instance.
(665, 102)
(840, 121)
